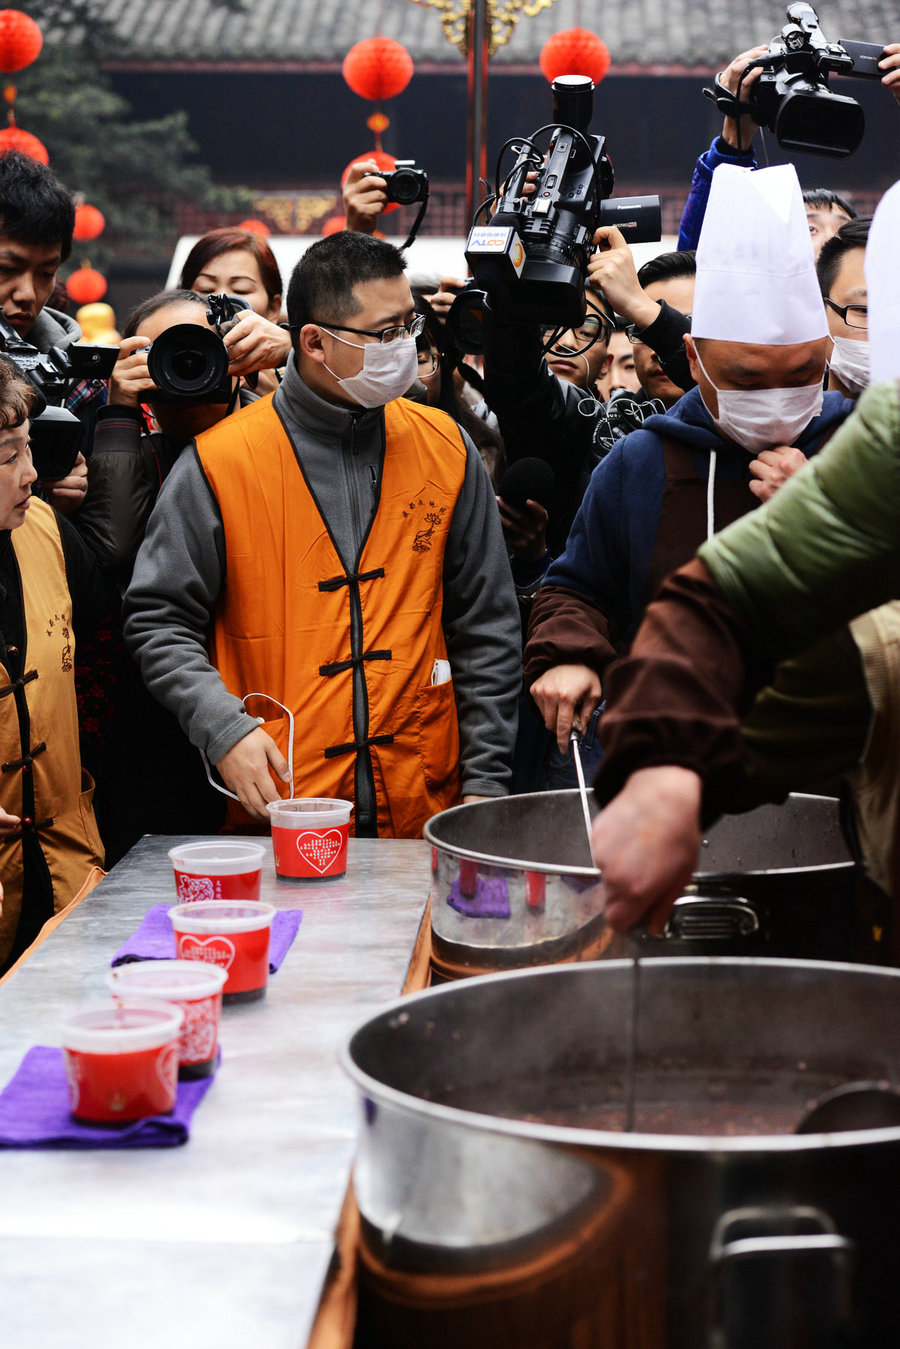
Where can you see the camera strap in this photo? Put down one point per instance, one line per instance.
(418, 220)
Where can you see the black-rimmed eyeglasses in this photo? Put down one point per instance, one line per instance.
(384, 335)
(854, 315)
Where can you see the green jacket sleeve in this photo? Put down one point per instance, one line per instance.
(827, 546)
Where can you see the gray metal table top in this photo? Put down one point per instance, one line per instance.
(226, 1241)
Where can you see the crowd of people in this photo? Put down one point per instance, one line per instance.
(425, 570)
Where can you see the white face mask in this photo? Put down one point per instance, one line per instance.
(850, 362)
(388, 370)
(757, 419)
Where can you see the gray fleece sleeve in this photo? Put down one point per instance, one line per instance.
(169, 606)
(483, 632)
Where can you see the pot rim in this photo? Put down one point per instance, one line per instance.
(558, 869)
(569, 1136)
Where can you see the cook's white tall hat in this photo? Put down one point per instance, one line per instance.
(756, 277)
(883, 286)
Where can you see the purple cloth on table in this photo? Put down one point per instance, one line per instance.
(155, 939)
(490, 900)
(34, 1111)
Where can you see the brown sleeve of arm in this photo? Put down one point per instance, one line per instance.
(566, 628)
(679, 695)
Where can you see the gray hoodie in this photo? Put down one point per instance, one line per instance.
(181, 566)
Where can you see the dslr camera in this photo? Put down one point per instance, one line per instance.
(188, 362)
(532, 257)
(792, 97)
(55, 433)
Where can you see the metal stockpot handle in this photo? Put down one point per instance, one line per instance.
(777, 1285)
(711, 917)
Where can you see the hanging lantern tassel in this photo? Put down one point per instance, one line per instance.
(575, 51)
(378, 125)
(86, 285)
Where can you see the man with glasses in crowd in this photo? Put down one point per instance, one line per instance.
(336, 549)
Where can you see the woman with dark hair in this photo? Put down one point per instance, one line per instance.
(236, 262)
(50, 587)
(152, 780)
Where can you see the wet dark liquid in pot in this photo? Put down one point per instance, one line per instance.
(719, 1109)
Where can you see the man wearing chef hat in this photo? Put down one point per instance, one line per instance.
(824, 549)
(757, 351)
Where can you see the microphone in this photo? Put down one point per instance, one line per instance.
(528, 479)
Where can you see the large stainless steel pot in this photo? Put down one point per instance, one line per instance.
(471, 1161)
(513, 884)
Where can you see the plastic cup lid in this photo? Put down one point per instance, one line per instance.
(175, 980)
(121, 1027)
(217, 859)
(310, 812)
(222, 915)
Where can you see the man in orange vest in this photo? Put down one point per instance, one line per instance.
(337, 548)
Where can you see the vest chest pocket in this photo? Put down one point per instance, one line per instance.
(437, 733)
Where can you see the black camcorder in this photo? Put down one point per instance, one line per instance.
(55, 433)
(532, 257)
(190, 363)
(792, 97)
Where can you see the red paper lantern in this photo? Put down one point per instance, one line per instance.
(20, 40)
(89, 223)
(255, 227)
(575, 51)
(334, 224)
(378, 68)
(14, 138)
(85, 285)
(384, 161)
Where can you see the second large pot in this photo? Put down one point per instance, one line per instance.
(504, 1207)
(513, 884)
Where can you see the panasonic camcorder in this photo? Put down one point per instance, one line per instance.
(792, 97)
(532, 257)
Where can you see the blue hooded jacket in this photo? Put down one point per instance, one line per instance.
(608, 553)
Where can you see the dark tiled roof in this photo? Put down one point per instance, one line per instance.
(637, 32)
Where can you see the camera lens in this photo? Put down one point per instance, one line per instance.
(405, 186)
(187, 361)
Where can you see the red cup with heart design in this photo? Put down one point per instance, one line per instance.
(233, 936)
(122, 1060)
(224, 869)
(192, 985)
(309, 837)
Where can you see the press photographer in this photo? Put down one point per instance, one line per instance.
(37, 217)
(744, 114)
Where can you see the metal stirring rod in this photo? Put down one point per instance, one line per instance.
(632, 1044)
(635, 964)
(574, 739)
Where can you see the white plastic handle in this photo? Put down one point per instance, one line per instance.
(290, 754)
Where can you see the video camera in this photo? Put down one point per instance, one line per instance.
(532, 257)
(188, 362)
(792, 97)
(55, 433)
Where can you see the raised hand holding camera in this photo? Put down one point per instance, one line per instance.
(612, 271)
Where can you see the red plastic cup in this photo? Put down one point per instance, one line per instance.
(193, 986)
(219, 870)
(122, 1060)
(233, 936)
(309, 837)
